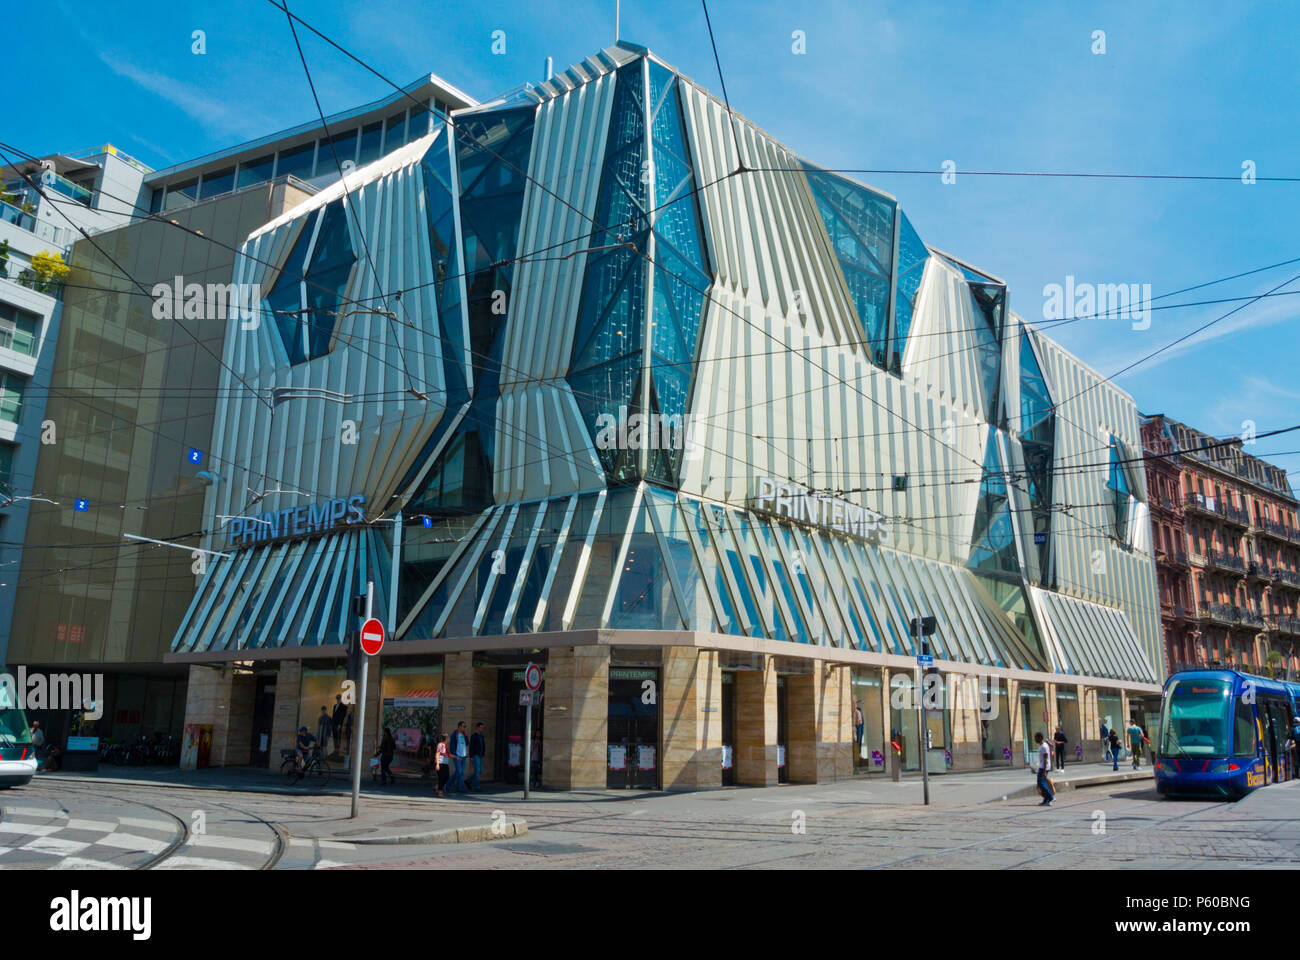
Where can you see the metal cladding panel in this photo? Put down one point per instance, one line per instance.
(774, 398)
(1090, 563)
(544, 448)
(306, 450)
(1093, 640)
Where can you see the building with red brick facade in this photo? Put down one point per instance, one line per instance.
(1227, 548)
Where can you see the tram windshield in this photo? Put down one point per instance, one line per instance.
(1195, 722)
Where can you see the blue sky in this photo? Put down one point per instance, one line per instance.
(1188, 88)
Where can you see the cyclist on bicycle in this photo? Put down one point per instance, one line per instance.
(305, 743)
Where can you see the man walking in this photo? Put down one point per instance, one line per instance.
(459, 750)
(336, 721)
(1059, 739)
(1044, 767)
(1114, 748)
(1135, 738)
(477, 753)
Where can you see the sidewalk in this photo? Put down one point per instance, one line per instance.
(417, 816)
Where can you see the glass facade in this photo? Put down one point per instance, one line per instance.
(492, 154)
(305, 299)
(860, 224)
(647, 198)
(1037, 428)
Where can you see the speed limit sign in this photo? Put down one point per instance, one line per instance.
(533, 676)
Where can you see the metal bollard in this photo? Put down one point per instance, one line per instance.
(895, 766)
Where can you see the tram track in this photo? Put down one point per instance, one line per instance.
(280, 842)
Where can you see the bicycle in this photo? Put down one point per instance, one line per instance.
(316, 771)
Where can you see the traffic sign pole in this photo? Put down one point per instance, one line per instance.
(359, 723)
(924, 647)
(532, 679)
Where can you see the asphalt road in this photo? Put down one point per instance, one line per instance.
(857, 825)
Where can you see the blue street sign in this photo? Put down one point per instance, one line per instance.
(195, 456)
(1040, 539)
(924, 660)
(428, 521)
(80, 504)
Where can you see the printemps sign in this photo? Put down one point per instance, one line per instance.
(798, 503)
(296, 521)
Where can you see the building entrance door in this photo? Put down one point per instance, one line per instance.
(632, 757)
(905, 720)
(782, 731)
(728, 728)
(510, 728)
(263, 717)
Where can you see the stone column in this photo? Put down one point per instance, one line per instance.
(756, 725)
(802, 694)
(284, 726)
(207, 701)
(576, 731)
(239, 730)
(690, 704)
(834, 691)
(485, 710)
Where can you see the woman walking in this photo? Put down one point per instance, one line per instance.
(444, 765)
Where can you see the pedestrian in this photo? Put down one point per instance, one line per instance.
(857, 725)
(387, 747)
(458, 747)
(477, 753)
(347, 731)
(444, 765)
(324, 726)
(38, 744)
(1105, 739)
(340, 714)
(1044, 767)
(1115, 748)
(1135, 738)
(1059, 739)
(1272, 746)
(1295, 750)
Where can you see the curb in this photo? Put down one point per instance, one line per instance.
(278, 791)
(1032, 790)
(516, 828)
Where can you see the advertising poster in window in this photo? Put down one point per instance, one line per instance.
(617, 757)
(645, 758)
(412, 698)
(319, 689)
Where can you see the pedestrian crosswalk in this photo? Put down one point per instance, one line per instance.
(52, 838)
(36, 838)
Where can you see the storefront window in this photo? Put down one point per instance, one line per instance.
(412, 711)
(319, 688)
(995, 723)
(1033, 711)
(869, 747)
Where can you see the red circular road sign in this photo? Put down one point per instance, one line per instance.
(372, 636)
(533, 676)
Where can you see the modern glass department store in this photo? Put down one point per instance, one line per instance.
(569, 389)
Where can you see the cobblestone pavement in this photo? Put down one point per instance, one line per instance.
(847, 825)
(1122, 826)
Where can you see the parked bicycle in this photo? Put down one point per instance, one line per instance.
(315, 771)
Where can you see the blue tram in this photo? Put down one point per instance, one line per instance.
(1224, 733)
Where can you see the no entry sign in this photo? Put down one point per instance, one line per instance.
(533, 676)
(372, 636)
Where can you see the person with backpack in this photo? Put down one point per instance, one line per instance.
(1135, 738)
(1044, 767)
(1115, 747)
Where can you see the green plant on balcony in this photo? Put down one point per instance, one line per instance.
(4, 258)
(47, 271)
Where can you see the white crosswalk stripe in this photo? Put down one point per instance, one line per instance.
(264, 847)
(201, 863)
(130, 841)
(30, 829)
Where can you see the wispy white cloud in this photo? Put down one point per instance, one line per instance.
(218, 116)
